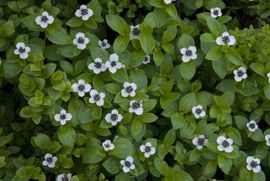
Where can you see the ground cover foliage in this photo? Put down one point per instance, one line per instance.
(134, 90)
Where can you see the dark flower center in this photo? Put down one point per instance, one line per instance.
(201, 141)
(21, 50)
(107, 145)
(127, 164)
(98, 65)
(146, 59)
(114, 117)
(129, 89)
(81, 40)
(63, 116)
(81, 87)
(226, 39)
(216, 12)
(253, 164)
(225, 144)
(65, 178)
(198, 111)
(44, 19)
(103, 44)
(147, 149)
(84, 12)
(96, 97)
(240, 73)
(49, 160)
(136, 31)
(113, 63)
(136, 105)
(252, 125)
(188, 53)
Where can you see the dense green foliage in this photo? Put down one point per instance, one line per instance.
(185, 95)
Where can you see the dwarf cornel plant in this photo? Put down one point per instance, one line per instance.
(172, 90)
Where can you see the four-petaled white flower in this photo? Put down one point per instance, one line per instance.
(268, 75)
(252, 126)
(136, 107)
(97, 97)
(168, 1)
(240, 74)
(188, 53)
(253, 164)
(81, 87)
(114, 117)
(225, 144)
(198, 111)
(147, 59)
(129, 89)
(147, 149)
(108, 145)
(199, 141)
(267, 139)
(22, 50)
(134, 32)
(49, 160)
(216, 12)
(97, 66)
(80, 40)
(226, 39)
(113, 63)
(63, 117)
(84, 12)
(44, 20)
(127, 164)
(104, 44)
(64, 177)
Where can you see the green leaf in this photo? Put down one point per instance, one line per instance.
(139, 78)
(123, 148)
(233, 57)
(187, 102)
(66, 135)
(214, 54)
(169, 138)
(120, 44)
(214, 25)
(178, 121)
(120, 76)
(66, 66)
(59, 37)
(169, 34)
(146, 39)
(118, 24)
(136, 128)
(187, 70)
(74, 22)
(112, 165)
(225, 164)
(160, 17)
(222, 104)
(185, 41)
(147, 118)
(5, 139)
(266, 91)
(220, 68)
(258, 68)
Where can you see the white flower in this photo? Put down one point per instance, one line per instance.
(168, 1)
(225, 144)
(108, 145)
(268, 75)
(113, 63)
(267, 139)
(114, 117)
(199, 141)
(252, 126)
(188, 53)
(240, 74)
(96, 97)
(147, 59)
(97, 66)
(49, 160)
(198, 111)
(80, 41)
(129, 89)
(44, 20)
(22, 50)
(134, 32)
(216, 12)
(226, 39)
(81, 87)
(63, 117)
(64, 177)
(136, 107)
(104, 44)
(127, 164)
(84, 12)
(253, 164)
(147, 149)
